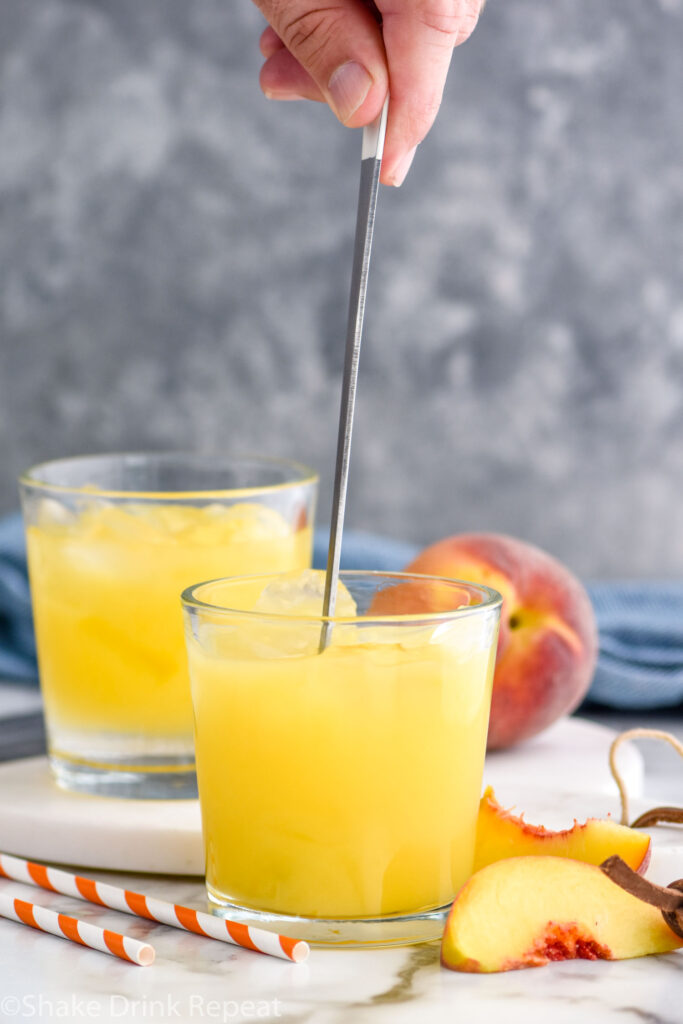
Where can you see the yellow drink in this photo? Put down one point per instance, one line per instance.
(344, 784)
(107, 609)
(112, 542)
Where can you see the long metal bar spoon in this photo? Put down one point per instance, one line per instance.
(371, 162)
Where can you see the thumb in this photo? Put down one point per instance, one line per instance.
(339, 44)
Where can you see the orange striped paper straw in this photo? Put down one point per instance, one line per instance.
(82, 932)
(208, 925)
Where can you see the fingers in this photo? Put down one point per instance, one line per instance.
(419, 36)
(338, 44)
(283, 78)
(337, 53)
(270, 42)
(470, 13)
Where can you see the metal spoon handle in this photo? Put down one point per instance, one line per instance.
(371, 162)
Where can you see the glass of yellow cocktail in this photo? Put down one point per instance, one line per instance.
(340, 769)
(112, 541)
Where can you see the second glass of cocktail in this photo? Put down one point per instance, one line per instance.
(339, 781)
(112, 541)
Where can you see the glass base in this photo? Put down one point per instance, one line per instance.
(148, 778)
(356, 933)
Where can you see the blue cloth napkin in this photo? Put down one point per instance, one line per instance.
(641, 644)
(365, 551)
(17, 645)
(641, 624)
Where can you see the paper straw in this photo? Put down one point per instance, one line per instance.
(82, 932)
(212, 927)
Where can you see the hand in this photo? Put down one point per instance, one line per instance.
(335, 51)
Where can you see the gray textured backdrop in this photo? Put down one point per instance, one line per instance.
(174, 262)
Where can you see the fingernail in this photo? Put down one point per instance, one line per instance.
(284, 94)
(402, 167)
(348, 87)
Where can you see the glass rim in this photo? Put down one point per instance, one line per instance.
(493, 599)
(302, 475)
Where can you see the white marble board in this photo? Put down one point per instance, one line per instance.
(555, 777)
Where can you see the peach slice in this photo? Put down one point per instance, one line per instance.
(502, 834)
(528, 911)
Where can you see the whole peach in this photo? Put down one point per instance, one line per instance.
(547, 646)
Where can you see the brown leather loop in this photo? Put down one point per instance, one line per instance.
(674, 918)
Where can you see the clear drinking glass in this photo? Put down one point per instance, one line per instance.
(339, 789)
(112, 541)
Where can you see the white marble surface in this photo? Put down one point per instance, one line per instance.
(194, 979)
